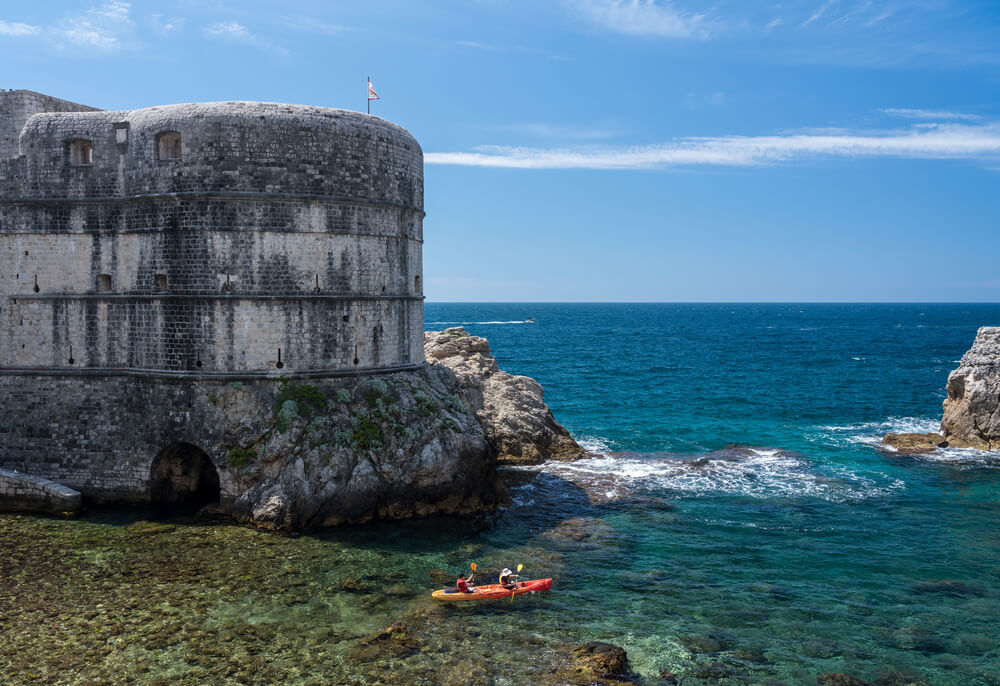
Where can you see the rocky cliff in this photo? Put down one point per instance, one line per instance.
(511, 409)
(972, 408)
(386, 447)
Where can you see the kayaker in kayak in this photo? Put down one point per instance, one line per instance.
(507, 579)
(463, 584)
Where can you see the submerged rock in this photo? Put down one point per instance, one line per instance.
(839, 679)
(511, 409)
(393, 641)
(602, 660)
(972, 408)
(948, 587)
(713, 642)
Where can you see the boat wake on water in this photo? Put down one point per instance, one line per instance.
(744, 471)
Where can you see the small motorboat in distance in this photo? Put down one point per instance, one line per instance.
(529, 320)
(492, 591)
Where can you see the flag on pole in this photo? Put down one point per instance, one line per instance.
(372, 95)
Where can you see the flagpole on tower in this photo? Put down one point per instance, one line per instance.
(368, 95)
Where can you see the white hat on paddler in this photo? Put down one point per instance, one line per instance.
(506, 572)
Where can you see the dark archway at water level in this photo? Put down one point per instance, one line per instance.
(183, 475)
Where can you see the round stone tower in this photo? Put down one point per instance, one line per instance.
(170, 272)
(226, 240)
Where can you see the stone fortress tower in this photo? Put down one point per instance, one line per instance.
(151, 257)
(222, 240)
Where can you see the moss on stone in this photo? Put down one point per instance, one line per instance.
(240, 456)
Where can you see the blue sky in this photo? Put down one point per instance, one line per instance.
(613, 150)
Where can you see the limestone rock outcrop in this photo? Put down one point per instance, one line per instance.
(972, 408)
(351, 450)
(512, 410)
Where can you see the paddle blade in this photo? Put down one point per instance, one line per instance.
(519, 568)
(473, 565)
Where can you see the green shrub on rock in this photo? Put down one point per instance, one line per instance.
(240, 456)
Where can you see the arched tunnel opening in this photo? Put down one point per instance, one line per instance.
(182, 475)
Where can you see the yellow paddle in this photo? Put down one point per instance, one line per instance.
(519, 568)
(473, 565)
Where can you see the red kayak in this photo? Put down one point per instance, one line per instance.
(492, 591)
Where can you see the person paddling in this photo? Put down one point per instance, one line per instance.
(507, 579)
(463, 584)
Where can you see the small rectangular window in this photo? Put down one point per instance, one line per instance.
(81, 153)
(161, 282)
(168, 145)
(104, 283)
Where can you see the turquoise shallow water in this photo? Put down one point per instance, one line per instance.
(809, 547)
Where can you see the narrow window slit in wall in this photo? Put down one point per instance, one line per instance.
(81, 153)
(71, 360)
(356, 360)
(104, 283)
(317, 283)
(228, 287)
(36, 283)
(160, 282)
(416, 284)
(168, 146)
(279, 364)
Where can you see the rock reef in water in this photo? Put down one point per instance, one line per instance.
(915, 443)
(972, 408)
(511, 409)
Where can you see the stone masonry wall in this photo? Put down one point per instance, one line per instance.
(278, 227)
(151, 259)
(15, 109)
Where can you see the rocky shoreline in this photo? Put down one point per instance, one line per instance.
(971, 417)
(298, 454)
(511, 409)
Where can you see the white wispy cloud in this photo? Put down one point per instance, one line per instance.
(103, 27)
(927, 114)
(15, 28)
(941, 142)
(820, 11)
(164, 26)
(642, 18)
(234, 31)
(310, 25)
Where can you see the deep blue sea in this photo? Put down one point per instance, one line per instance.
(742, 518)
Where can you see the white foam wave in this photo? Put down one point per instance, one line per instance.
(871, 433)
(517, 321)
(754, 472)
(591, 444)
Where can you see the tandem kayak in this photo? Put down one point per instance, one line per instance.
(492, 591)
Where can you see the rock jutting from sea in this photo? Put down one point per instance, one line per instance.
(511, 409)
(972, 409)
